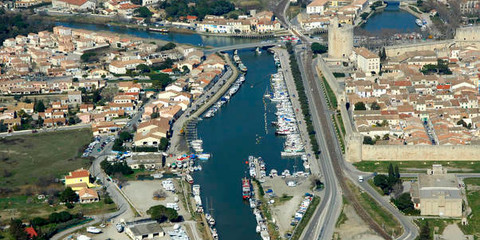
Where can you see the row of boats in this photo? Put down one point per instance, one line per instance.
(239, 62)
(286, 120)
(226, 97)
(422, 23)
(199, 208)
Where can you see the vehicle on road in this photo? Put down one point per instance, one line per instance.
(360, 178)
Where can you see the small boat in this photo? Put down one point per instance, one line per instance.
(257, 51)
(419, 22)
(162, 30)
(204, 156)
(214, 233)
(246, 188)
(119, 227)
(252, 202)
(210, 219)
(199, 168)
(94, 230)
(242, 67)
(189, 178)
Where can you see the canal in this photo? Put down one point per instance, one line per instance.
(184, 38)
(392, 18)
(239, 129)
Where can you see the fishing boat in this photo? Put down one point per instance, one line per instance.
(252, 202)
(189, 178)
(210, 219)
(242, 67)
(246, 188)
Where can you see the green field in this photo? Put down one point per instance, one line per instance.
(28, 160)
(418, 166)
(473, 197)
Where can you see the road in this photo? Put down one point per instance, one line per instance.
(124, 209)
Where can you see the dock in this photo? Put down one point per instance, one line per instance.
(212, 100)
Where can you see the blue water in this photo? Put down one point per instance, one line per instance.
(392, 18)
(234, 133)
(194, 39)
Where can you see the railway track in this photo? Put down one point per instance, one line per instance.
(334, 155)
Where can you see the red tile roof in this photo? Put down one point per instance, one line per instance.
(80, 173)
(75, 2)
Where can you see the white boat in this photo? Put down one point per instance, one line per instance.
(204, 156)
(419, 22)
(257, 51)
(252, 202)
(94, 230)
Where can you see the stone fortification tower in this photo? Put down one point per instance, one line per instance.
(340, 40)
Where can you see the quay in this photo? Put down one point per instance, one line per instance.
(188, 120)
(293, 95)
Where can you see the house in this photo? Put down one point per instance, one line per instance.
(150, 133)
(317, 7)
(87, 195)
(78, 179)
(121, 67)
(145, 229)
(73, 4)
(366, 61)
(437, 193)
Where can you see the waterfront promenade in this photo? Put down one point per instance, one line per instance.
(200, 105)
(292, 90)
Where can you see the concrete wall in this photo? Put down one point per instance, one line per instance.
(420, 152)
(467, 34)
(393, 51)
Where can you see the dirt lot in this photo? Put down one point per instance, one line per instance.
(353, 227)
(284, 208)
(141, 195)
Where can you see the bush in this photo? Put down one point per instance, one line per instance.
(318, 48)
(118, 167)
(404, 203)
(162, 213)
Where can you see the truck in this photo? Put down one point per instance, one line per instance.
(360, 178)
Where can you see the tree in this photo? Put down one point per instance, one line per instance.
(155, 115)
(89, 57)
(318, 48)
(404, 203)
(160, 81)
(143, 12)
(168, 46)
(143, 68)
(381, 181)
(375, 106)
(163, 144)
(125, 136)
(368, 140)
(364, 15)
(360, 106)
(68, 195)
(162, 213)
(17, 229)
(425, 232)
(39, 106)
(396, 172)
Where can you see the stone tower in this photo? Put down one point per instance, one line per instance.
(340, 40)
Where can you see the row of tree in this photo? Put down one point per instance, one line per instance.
(117, 167)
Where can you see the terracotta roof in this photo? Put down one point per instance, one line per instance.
(80, 173)
(87, 193)
(75, 2)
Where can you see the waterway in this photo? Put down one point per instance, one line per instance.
(185, 38)
(235, 132)
(392, 18)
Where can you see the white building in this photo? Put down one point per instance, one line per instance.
(366, 60)
(317, 7)
(73, 4)
(121, 67)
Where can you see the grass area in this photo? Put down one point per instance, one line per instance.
(331, 98)
(342, 127)
(473, 197)
(436, 225)
(26, 159)
(25, 207)
(414, 9)
(306, 218)
(284, 198)
(377, 212)
(342, 218)
(418, 166)
(379, 190)
(139, 172)
(339, 135)
(338, 74)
